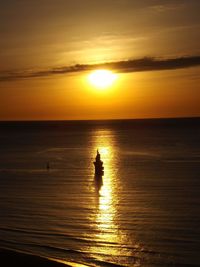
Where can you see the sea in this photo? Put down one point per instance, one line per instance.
(144, 211)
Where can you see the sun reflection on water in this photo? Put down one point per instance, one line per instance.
(106, 209)
(106, 225)
(110, 239)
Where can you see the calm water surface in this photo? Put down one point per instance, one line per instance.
(146, 212)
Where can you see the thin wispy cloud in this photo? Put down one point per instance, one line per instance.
(170, 6)
(124, 66)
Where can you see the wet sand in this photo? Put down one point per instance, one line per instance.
(13, 258)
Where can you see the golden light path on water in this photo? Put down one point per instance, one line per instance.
(108, 234)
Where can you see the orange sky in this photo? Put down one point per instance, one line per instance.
(40, 41)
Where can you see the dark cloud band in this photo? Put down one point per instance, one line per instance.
(132, 65)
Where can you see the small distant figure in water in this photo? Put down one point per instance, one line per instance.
(48, 166)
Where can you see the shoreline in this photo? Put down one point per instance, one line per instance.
(11, 257)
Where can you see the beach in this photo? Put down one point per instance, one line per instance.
(16, 258)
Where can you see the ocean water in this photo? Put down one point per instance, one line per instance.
(146, 211)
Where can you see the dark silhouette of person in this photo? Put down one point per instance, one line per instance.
(48, 166)
(98, 165)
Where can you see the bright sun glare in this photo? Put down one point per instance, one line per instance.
(102, 79)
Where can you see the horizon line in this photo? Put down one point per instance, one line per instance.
(108, 119)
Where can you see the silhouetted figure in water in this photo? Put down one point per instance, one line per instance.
(48, 166)
(98, 164)
(99, 171)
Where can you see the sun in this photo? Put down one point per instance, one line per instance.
(102, 79)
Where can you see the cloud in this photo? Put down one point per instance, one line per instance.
(124, 66)
(169, 6)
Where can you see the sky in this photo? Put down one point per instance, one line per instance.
(48, 48)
